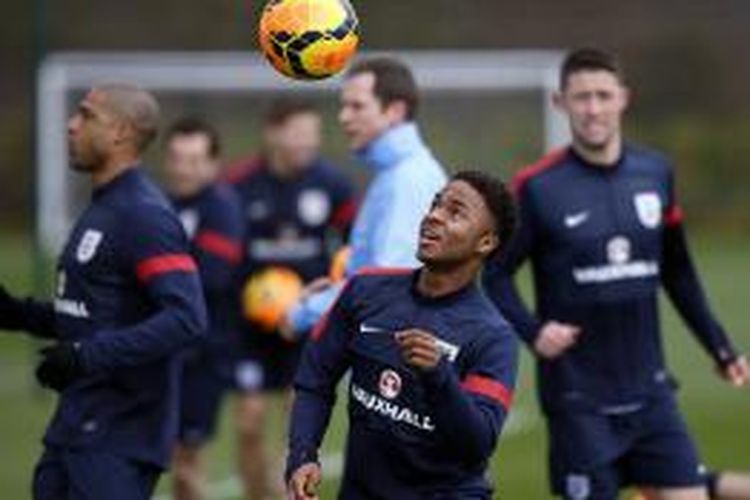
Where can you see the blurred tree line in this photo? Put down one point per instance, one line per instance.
(686, 61)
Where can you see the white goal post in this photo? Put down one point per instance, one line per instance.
(245, 72)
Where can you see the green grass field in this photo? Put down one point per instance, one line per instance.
(717, 414)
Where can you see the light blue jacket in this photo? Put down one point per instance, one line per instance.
(386, 230)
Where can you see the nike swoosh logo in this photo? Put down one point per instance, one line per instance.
(448, 350)
(363, 328)
(575, 220)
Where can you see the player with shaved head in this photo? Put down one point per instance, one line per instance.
(127, 299)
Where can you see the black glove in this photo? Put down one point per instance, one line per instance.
(60, 365)
(36, 318)
(11, 311)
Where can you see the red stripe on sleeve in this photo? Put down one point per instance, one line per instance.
(674, 216)
(240, 170)
(322, 324)
(488, 387)
(166, 263)
(383, 271)
(219, 245)
(344, 214)
(320, 327)
(551, 159)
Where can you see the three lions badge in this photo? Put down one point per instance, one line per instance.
(649, 209)
(88, 245)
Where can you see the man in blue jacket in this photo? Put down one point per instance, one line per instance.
(127, 299)
(603, 229)
(379, 107)
(432, 363)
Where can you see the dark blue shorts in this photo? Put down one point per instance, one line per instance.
(592, 456)
(203, 386)
(267, 362)
(63, 474)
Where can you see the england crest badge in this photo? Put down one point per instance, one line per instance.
(578, 486)
(649, 209)
(88, 245)
(313, 207)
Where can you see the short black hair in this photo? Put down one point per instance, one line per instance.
(499, 202)
(189, 125)
(589, 59)
(282, 108)
(394, 81)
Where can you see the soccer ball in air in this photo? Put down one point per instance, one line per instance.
(268, 295)
(308, 39)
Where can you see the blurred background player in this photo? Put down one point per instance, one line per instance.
(379, 104)
(212, 218)
(603, 229)
(292, 200)
(128, 299)
(432, 363)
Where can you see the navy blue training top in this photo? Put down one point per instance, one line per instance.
(287, 220)
(129, 294)
(411, 434)
(601, 242)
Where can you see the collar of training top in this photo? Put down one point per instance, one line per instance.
(391, 147)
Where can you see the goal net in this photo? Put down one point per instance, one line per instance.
(480, 109)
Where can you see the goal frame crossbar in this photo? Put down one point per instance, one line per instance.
(247, 72)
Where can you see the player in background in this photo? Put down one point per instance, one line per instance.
(292, 201)
(379, 108)
(432, 363)
(127, 300)
(211, 216)
(603, 229)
